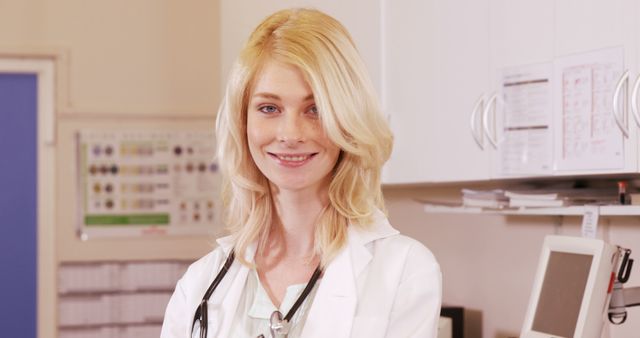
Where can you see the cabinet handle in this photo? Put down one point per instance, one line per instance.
(491, 103)
(634, 101)
(620, 121)
(477, 133)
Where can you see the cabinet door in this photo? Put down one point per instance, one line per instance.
(591, 25)
(436, 66)
(521, 39)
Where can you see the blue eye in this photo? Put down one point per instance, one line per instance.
(313, 110)
(269, 109)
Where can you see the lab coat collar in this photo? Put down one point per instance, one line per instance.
(334, 306)
(231, 287)
(226, 243)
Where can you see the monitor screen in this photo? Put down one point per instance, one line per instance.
(562, 292)
(571, 288)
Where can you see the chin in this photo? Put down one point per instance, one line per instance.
(294, 185)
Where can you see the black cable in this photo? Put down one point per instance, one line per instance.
(201, 311)
(303, 295)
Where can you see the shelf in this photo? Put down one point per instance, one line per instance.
(605, 210)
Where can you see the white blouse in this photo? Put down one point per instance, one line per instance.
(254, 310)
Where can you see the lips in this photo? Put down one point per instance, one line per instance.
(292, 160)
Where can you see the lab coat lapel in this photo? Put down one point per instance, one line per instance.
(334, 306)
(228, 297)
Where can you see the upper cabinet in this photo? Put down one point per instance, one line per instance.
(436, 71)
(443, 60)
(592, 25)
(521, 45)
(458, 76)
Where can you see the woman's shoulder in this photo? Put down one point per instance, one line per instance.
(204, 266)
(409, 248)
(388, 243)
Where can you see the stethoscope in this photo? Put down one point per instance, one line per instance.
(279, 326)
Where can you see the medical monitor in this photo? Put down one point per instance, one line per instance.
(571, 289)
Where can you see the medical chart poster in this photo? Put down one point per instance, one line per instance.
(587, 137)
(136, 183)
(526, 143)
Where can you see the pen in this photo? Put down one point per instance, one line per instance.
(622, 192)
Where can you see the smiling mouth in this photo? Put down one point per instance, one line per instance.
(297, 158)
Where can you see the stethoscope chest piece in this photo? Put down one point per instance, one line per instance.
(279, 326)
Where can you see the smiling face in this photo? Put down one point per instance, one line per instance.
(284, 132)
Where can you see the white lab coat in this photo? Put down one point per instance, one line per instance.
(382, 284)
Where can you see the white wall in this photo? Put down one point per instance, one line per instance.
(489, 261)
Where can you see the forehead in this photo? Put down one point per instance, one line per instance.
(281, 79)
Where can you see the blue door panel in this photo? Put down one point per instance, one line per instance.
(18, 204)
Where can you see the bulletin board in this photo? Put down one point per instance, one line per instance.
(143, 183)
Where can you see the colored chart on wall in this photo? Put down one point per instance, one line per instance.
(136, 183)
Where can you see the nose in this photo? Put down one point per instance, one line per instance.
(291, 129)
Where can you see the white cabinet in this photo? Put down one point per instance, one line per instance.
(590, 25)
(442, 60)
(441, 56)
(520, 36)
(435, 67)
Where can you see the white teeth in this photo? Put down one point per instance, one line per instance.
(292, 158)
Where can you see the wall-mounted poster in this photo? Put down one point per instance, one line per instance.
(135, 183)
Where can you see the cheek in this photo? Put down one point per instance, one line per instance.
(255, 135)
(333, 151)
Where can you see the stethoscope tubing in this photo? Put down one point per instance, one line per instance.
(201, 311)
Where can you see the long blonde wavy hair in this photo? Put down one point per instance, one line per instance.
(322, 49)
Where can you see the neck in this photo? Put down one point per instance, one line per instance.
(297, 213)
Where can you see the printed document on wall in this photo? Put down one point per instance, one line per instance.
(133, 183)
(588, 137)
(526, 143)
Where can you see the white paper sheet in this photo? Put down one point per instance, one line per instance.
(525, 146)
(587, 135)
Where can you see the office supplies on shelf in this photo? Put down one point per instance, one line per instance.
(494, 199)
(622, 192)
(533, 202)
(561, 197)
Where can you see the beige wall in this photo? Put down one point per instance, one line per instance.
(148, 64)
(137, 57)
(489, 261)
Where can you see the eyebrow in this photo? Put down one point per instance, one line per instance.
(276, 97)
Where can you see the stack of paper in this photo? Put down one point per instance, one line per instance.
(495, 199)
(562, 197)
(535, 199)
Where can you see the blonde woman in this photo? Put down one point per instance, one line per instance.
(301, 142)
